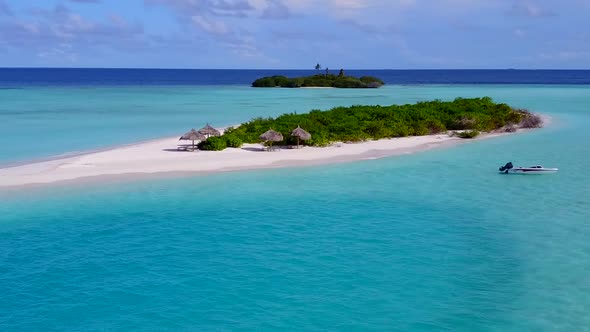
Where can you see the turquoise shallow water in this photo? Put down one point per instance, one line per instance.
(425, 242)
(40, 122)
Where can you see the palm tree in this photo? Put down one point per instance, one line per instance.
(318, 67)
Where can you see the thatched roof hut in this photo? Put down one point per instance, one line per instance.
(271, 136)
(209, 131)
(192, 135)
(300, 134)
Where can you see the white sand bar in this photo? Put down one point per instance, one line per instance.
(161, 156)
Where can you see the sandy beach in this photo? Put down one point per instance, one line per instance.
(162, 156)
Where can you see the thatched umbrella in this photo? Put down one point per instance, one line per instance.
(209, 131)
(192, 135)
(300, 134)
(271, 136)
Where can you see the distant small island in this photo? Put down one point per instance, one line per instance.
(318, 80)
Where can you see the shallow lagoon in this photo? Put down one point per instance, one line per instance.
(430, 241)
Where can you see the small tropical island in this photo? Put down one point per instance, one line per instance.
(319, 80)
(462, 117)
(337, 135)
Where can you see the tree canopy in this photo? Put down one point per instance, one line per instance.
(319, 80)
(359, 123)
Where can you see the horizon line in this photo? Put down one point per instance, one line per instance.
(311, 69)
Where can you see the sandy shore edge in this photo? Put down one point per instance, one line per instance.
(158, 157)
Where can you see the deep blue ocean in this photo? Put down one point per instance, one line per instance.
(430, 241)
(24, 77)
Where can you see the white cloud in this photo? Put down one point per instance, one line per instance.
(529, 9)
(61, 33)
(236, 8)
(276, 10)
(63, 51)
(349, 4)
(217, 28)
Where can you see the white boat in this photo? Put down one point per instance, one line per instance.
(538, 169)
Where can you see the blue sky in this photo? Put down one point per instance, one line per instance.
(380, 34)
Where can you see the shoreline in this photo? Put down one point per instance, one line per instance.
(155, 158)
(81, 153)
(317, 87)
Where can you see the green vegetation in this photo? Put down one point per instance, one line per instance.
(218, 143)
(359, 123)
(213, 143)
(319, 80)
(233, 141)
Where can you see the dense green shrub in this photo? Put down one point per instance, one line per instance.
(232, 141)
(293, 83)
(213, 143)
(348, 82)
(318, 80)
(270, 81)
(372, 82)
(434, 126)
(358, 123)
